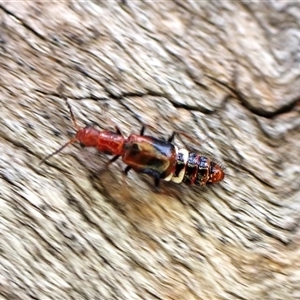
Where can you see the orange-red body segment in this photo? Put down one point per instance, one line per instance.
(105, 141)
(217, 173)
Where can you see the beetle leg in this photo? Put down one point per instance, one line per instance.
(171, 138)
(127, 169)
(111, 161)
(142, 130)
(156, 184)
(118, 130)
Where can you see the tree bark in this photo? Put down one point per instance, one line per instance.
(226, 73)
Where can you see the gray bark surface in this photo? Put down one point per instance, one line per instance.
(226, 73)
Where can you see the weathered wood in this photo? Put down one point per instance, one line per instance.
(226, 71)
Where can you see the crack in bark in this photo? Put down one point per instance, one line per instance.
(23, 23)
(259, 111)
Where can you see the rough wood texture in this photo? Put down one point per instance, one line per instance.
(225, 71)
